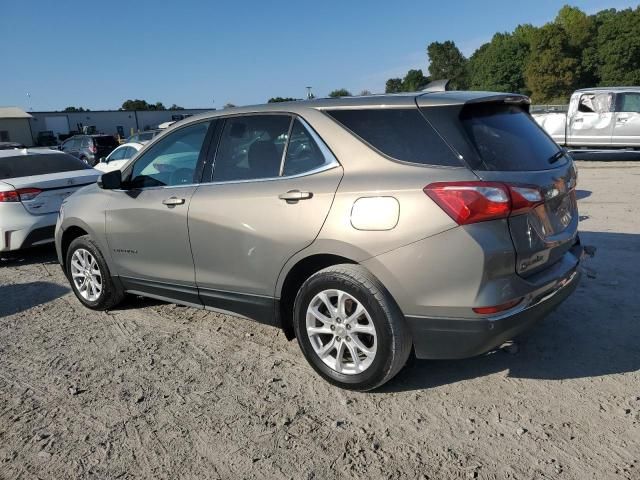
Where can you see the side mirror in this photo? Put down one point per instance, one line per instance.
(111, 180)
(103, 160)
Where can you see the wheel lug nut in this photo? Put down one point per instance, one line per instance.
(333, 327)
(348, 327)
(348, 339)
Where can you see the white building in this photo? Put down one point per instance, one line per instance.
(14, 126)
(111, 122)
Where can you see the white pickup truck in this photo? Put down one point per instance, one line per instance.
(604, 118)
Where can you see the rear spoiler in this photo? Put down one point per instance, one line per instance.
(509, 98)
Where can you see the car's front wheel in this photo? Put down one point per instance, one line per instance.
(350, 329)
(90, 277)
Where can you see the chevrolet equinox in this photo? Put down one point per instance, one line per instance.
(438, 222)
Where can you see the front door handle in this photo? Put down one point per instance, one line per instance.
(173, 201)
(292, 196)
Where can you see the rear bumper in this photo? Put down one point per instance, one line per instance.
(448, 338)
(26, 230)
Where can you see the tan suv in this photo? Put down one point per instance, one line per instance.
(439, 222)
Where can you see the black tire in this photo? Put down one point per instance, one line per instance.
(394, 338)
(112, 293)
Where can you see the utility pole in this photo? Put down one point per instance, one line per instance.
(309, 94)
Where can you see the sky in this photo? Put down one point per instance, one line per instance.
(203, 54)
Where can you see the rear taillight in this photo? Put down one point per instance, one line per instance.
(22, 194)
(472, 202)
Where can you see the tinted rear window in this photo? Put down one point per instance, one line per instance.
(506, 138)
(402, 134)
(105, 141)
(41, 164)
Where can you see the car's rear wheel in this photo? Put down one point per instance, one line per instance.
(350, 329)
(90, 277)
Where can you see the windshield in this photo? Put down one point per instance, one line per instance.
(41, 164)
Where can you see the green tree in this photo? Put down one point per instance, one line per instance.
(552, 72)
(393, 85)
(414, 81)
(175, 107)
(578, 25)
(499, 65)
(618, 47)
(341, 92)
(447, 61)
(281, 99)
(365, 93)
(76, 109)
(141, 105)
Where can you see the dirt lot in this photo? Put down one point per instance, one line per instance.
(155, 390)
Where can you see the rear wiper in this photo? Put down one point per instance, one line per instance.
(556, 156)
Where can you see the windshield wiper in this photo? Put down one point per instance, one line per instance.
(556, 156)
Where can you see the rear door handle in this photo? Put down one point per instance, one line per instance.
(173, 201)
(293, 196)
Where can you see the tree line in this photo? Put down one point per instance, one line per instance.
(548, 63)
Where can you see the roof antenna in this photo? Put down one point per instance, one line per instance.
(437, 86)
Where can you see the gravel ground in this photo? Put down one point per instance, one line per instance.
(155, 390)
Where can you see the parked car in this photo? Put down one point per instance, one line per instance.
(606, 117)
(46, 138)
(365, 227)
(142, 137)
(119, 157)
(89, 148)
(33, 184)
(10, 145)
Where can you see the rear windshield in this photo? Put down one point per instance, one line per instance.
(105, 141)
(402, 134)
(506, 138)
(41, 164)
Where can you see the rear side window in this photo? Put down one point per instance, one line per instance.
(42, 164)
(251, 147)
(506, 138)
(402, 134)
(303, 153)
(628, 102)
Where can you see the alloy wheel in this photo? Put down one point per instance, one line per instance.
(341, 332)
(86, 275)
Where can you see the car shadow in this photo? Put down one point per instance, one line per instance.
(43, 254)
(18, 297)
(595, 332)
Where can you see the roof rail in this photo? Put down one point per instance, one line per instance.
(437, 86)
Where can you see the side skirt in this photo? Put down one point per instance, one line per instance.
(255, 307)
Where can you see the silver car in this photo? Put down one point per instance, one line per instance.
(365, 227)
(33, 184)
(598, 118)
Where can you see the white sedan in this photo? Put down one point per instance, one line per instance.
(33, 184)
(119, 157)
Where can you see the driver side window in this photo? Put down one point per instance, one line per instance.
(172, 161)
